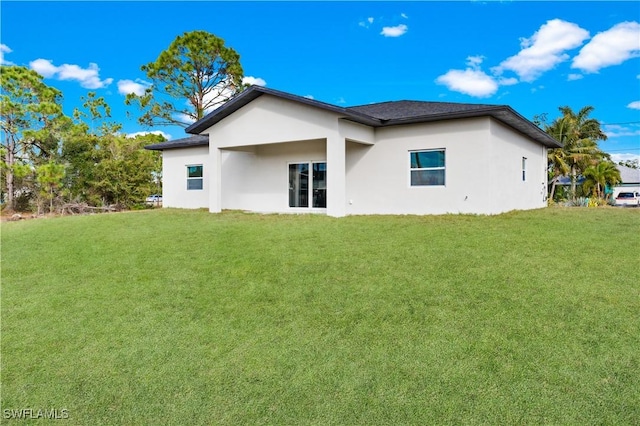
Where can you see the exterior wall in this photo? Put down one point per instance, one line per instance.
(507, 189)
(368, 170)
(174, 172)
(629, 187)
(356, 132)
(378, 176)
(271, 120)
(257, 178)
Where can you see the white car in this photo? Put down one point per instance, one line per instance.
(155, 199)
(628, 199)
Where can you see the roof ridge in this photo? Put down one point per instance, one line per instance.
(423, 102)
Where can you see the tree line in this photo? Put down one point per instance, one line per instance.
(49, 158)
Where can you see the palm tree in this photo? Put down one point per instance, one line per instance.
(599, 176)
(579, 135)
(559, 166)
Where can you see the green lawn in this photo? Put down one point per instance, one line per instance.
(185, 317)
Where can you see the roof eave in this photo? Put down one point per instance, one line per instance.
(159, 147)
(190, 142)
(510, 117)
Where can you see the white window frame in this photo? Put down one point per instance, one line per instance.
(524, 169)
(194, 178)
(444, 168)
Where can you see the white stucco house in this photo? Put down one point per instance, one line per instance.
(629, 180)
(271, 151)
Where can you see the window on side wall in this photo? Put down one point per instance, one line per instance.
(524, 169)
(194, 177)
(427, 167)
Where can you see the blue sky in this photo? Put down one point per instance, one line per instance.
(533, 56)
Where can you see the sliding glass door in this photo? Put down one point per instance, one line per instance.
(303, 192)
(319, 185)
(299, 185)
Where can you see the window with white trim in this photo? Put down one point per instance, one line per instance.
(194, 177)
(427, 167)
(524, 169)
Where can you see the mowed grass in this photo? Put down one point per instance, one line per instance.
(185, 317)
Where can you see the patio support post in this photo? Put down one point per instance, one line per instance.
(215, 179)
(336, 176)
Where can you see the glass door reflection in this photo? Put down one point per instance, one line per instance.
(299, 185)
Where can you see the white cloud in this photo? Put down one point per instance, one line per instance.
(611, 47)
(309, 96)
(616, 130)
(404, 15)
(218, 95)
(43, 67)
(167, 136)
(367, 22)
(214, 99)
(544, 50)
(87, 77)
(624, 157)
(253, 81)
(475, 61)
(183, 118)
(4, 49)
(507, 81)
(137, 87)
(634, 105)
(573, 77)
(396, 31)
(473, 82)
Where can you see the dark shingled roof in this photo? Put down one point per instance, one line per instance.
(196, 140)
(395, 110)
(381, 114)
(407, 112)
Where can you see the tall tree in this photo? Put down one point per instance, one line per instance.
(80, 151)
(579, 135)
(124, 173)
(194, 75)
(97, 110)
(599, 176)
(104, 166)
(49, 176)
(31, 120)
